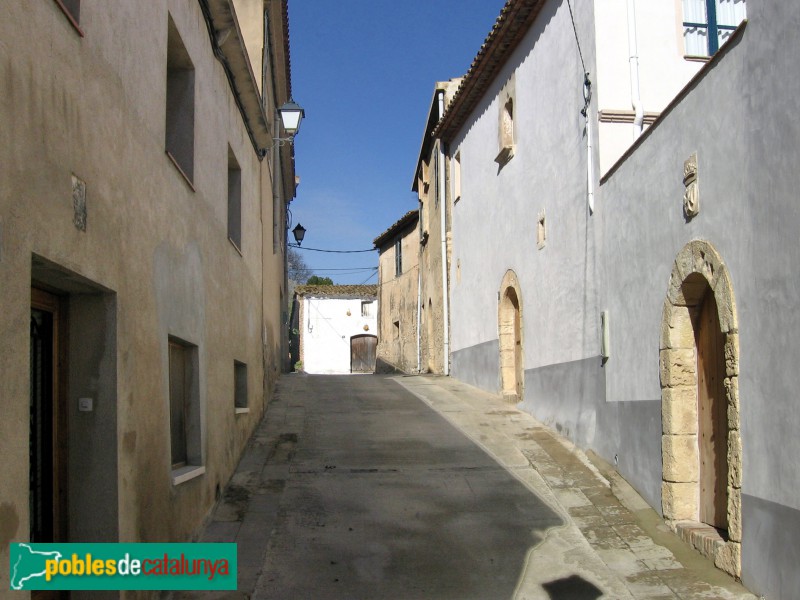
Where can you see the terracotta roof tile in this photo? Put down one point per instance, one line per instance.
(398, 225)
(510, 27)
(337, 291)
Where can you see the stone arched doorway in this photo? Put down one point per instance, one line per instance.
(510, 334)
(701, 445)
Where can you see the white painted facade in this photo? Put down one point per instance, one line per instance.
(659, 57)
(327, 326)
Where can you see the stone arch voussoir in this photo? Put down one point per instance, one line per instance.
(698, 268)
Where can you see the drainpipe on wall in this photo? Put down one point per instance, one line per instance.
(633, 54)
(419, 309)
(443, 208)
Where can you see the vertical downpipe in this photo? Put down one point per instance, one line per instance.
(443, 208)
(419, 310)
(633, 59)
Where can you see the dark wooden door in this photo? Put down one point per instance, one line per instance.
(712, 415)
(363, 353)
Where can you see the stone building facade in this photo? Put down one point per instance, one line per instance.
(433, 186)
(638, 226)
(142, 258)
(398, 294)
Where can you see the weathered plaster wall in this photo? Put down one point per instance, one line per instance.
(747, 180)
(94, 107)
(397, 347)
(328, 325)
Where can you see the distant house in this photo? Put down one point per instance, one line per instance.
(334, 328)
(398, 276)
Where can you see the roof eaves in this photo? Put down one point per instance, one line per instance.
(408, 218)
(510, 27)
(230, 50)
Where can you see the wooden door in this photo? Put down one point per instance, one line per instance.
(712, 415)
(363, 353)
(517, 353)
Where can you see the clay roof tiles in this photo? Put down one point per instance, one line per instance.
(408, 218)
(510, 27)
(337, 291)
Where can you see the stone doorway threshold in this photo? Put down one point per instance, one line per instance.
(704, 538)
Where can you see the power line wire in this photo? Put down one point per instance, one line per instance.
(368, 278)
(332, 251)
(577, 41)
(345, 269)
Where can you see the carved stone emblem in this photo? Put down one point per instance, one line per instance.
(691, 195)
(79, 203)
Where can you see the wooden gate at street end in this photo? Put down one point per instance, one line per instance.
(363, 353)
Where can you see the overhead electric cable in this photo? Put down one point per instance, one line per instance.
(577, 41)
(332, 251)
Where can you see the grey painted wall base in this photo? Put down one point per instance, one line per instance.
(770, 548)
(571, 398)
(478, 366)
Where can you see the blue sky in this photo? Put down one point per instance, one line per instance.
(364, 71)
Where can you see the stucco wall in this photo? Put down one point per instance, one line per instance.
(620, 258)
(328, 324)
(154, 260)
(746, 152)
(494, 224)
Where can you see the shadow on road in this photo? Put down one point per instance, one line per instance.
(386, 499)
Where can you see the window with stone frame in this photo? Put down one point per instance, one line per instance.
(506, 127)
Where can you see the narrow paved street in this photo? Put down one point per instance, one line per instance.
(422, 487)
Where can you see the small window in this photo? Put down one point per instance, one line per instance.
(397, 330)
(240, 386)
(398, 258)
(707, 24)
(436, 185)
(366, 308)
(457, 177)
(180, 104)
(72, 10)
(506, 129)
(234, 201)
(184, 405)
(541, 231)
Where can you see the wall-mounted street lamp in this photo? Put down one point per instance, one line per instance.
(291, 115)
(299, 233)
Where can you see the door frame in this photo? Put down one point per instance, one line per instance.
(510, 338)
(56, 306)
(698, 269)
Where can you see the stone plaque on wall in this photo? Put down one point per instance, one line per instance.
(691, 195)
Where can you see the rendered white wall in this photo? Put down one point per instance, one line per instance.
(327, 329)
